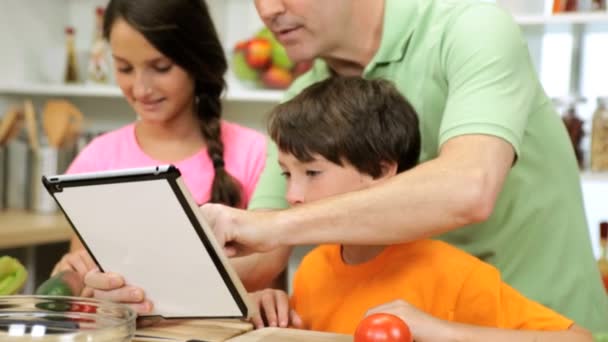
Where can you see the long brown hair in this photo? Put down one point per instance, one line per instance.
(349, 119)
(183, 31)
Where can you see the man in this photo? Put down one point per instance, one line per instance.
(497, 176)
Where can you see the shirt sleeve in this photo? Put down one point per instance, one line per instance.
(256, 161)
(486, 300)
(271, 186)
(492, 82)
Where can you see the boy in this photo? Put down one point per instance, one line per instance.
(346, 134)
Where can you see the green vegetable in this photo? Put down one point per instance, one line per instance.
(54, 287)
(12, 275)
(65, 283)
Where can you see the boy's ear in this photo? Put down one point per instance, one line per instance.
(389, 169)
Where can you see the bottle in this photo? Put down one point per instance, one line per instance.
(71, 70)
(599, 136)
(571, 6)
(558, 6)
(99, 64)
(599, 5)
(574, 125)
(603, 260)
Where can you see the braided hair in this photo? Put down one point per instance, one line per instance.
(184, 32)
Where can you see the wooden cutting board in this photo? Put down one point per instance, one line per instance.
(292, 335)
(192, 330)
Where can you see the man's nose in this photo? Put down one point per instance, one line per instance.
(269, 9)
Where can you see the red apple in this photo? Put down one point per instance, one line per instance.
(258, 53)
(241, 45)
(277, 78)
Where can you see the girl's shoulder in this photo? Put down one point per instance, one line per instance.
(114, 138)
(235, 134)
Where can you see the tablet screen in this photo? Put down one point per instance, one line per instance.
(149, 231)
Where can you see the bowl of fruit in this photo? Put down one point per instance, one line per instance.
(262, 62)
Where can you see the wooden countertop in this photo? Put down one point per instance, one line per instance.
(228, 330)
(281, 335)
(22, 228)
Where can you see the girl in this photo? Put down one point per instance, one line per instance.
(169, 64)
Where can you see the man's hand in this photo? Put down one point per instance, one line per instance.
(240, 232)
(424, 327)
(273, 310)
(111, 286)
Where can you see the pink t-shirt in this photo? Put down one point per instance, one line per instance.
(244, 158)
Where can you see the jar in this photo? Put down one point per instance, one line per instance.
(599, 136)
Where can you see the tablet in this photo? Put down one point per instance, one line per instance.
(143, 224)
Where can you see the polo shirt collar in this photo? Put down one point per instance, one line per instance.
(400, 20)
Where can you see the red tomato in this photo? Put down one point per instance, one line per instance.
(83, 308)
(382, 327)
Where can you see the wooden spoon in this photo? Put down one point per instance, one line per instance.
(31, 125)
(11, 125)
(58, 121)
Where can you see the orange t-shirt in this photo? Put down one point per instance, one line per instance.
(435, 277)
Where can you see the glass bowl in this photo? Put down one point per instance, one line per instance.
(65, 319)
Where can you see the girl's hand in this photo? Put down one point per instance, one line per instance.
(79, 261)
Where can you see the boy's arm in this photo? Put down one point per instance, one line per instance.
(428, 328)
(258, 270)
(469, 333)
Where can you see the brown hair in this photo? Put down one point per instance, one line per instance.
(183, 31)
(349, 119)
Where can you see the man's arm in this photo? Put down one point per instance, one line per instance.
(492, 91)
(458, 188)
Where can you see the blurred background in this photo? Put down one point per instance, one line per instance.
(57, 93)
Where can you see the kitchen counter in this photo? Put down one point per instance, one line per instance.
(21, 229)
(228, 330)
(295, 335)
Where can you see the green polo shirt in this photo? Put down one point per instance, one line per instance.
(271, 187)
(465, 68)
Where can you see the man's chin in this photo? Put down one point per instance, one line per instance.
(300, 54)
